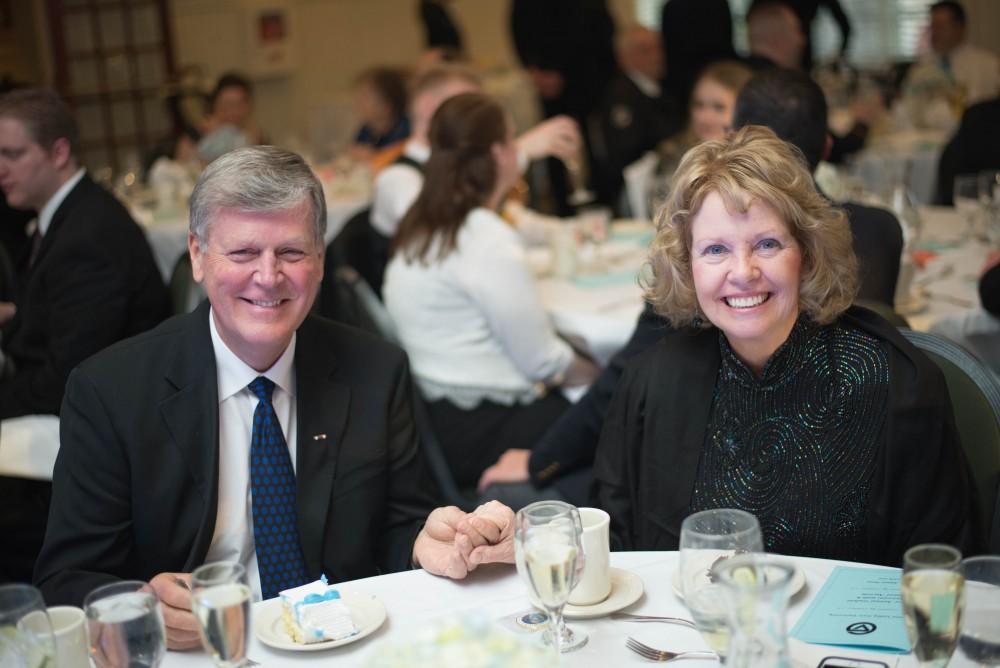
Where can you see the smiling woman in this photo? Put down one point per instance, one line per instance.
(776, 396)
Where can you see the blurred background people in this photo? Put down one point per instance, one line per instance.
(232, 105)
(695, 33)
(975, 70)
(775, 35)
(807, 10)
(974, 147)
(380, 99)
(440, 29)
(464, 300)
(635, 115)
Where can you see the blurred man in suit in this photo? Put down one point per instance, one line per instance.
(974, 148)
(793, 105)
(246, 430)
(86, 279)
(635, 114)
(976, 70)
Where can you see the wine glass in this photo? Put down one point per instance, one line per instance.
(220, 601)
(26, 639)
(708, 538)
(125, 625)
(933, 601)
(548, 540)
(966, 198)
(980, 638)
(577, 178)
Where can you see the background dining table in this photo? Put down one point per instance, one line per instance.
(414, 599)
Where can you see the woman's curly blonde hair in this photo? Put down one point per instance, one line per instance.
(752, 165)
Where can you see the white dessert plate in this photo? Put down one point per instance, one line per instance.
(796, 584)
(367, 611)
(626, 588)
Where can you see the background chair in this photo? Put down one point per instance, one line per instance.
(360, 247)
(975, 398)
(372, 316)
(884, 310)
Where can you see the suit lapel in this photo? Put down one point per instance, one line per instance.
(71, 201)
(191, 415)
(322, 410)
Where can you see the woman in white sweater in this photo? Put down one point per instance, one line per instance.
(465, 304)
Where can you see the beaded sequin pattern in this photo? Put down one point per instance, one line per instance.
(796, 447)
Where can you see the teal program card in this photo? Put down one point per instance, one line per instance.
(857, 607)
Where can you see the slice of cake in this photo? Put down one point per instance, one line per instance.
(314, 613)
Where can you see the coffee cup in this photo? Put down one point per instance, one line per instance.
(595, 582)
(70, 631)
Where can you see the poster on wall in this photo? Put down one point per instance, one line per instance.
(271, 50)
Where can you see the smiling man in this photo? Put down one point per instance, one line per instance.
(247, 430)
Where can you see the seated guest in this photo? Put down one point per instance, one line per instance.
(231, 105)
(380, 103)
(85, 279)
(974, 148)
(397, 186)
(158, 470)
(794, 107)
(776, 396)
(635, 114)
(464, 300)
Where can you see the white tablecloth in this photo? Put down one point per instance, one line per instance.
(414, 598)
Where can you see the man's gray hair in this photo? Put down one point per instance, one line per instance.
(256, 179)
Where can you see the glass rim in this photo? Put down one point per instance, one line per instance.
(234, 571)
(911, 560)
(752, 523)
(30, 597)
(778, 572)
(539, 505)
(110, 589)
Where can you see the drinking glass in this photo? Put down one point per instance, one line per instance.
(933, 600)
(980, 639)
(966, 198)
(26, 639)
(575, 169)
(708, 538)
(125, 625)
(756, 589)
(548, 540)
(220, 601)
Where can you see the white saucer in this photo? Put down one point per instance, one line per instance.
(795, 585)
(626, 588)
(367, 611)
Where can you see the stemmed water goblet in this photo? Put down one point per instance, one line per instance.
(550, 558)
(966, 198)
(125, 625)
(933, 601)
(220, 601)
(980, 638)
(26, 639)
(708, 538)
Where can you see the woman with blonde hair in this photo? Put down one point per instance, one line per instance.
(777, 396)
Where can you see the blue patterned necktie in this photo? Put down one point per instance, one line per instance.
(272, 485)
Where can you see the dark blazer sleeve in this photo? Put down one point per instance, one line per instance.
(89, 535)
(571, 442)
(989, 290)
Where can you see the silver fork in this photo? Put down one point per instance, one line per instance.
(654, 654)
(629, 617)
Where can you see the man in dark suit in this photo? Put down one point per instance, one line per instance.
(635, 114)
(974, 148)
(793, 105)
(86, 279)
(175, 444)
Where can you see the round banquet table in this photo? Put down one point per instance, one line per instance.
(415, 598)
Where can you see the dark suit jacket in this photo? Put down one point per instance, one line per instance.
(878, 243)
(93, 282)
(975, 147)
(989, 290)
(650, 449)
(626, 125)
(135, 488)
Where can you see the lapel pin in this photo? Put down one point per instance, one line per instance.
(319, 437)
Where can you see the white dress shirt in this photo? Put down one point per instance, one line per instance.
(233, 537)
(49, 210)
(396, 189)
(473, 324)
(978, 70)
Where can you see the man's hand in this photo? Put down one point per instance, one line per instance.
(440, 549)
(500, 519)
(549, 83)
(175, 602)
(7, 311)
(559, 136)
(511, 467)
